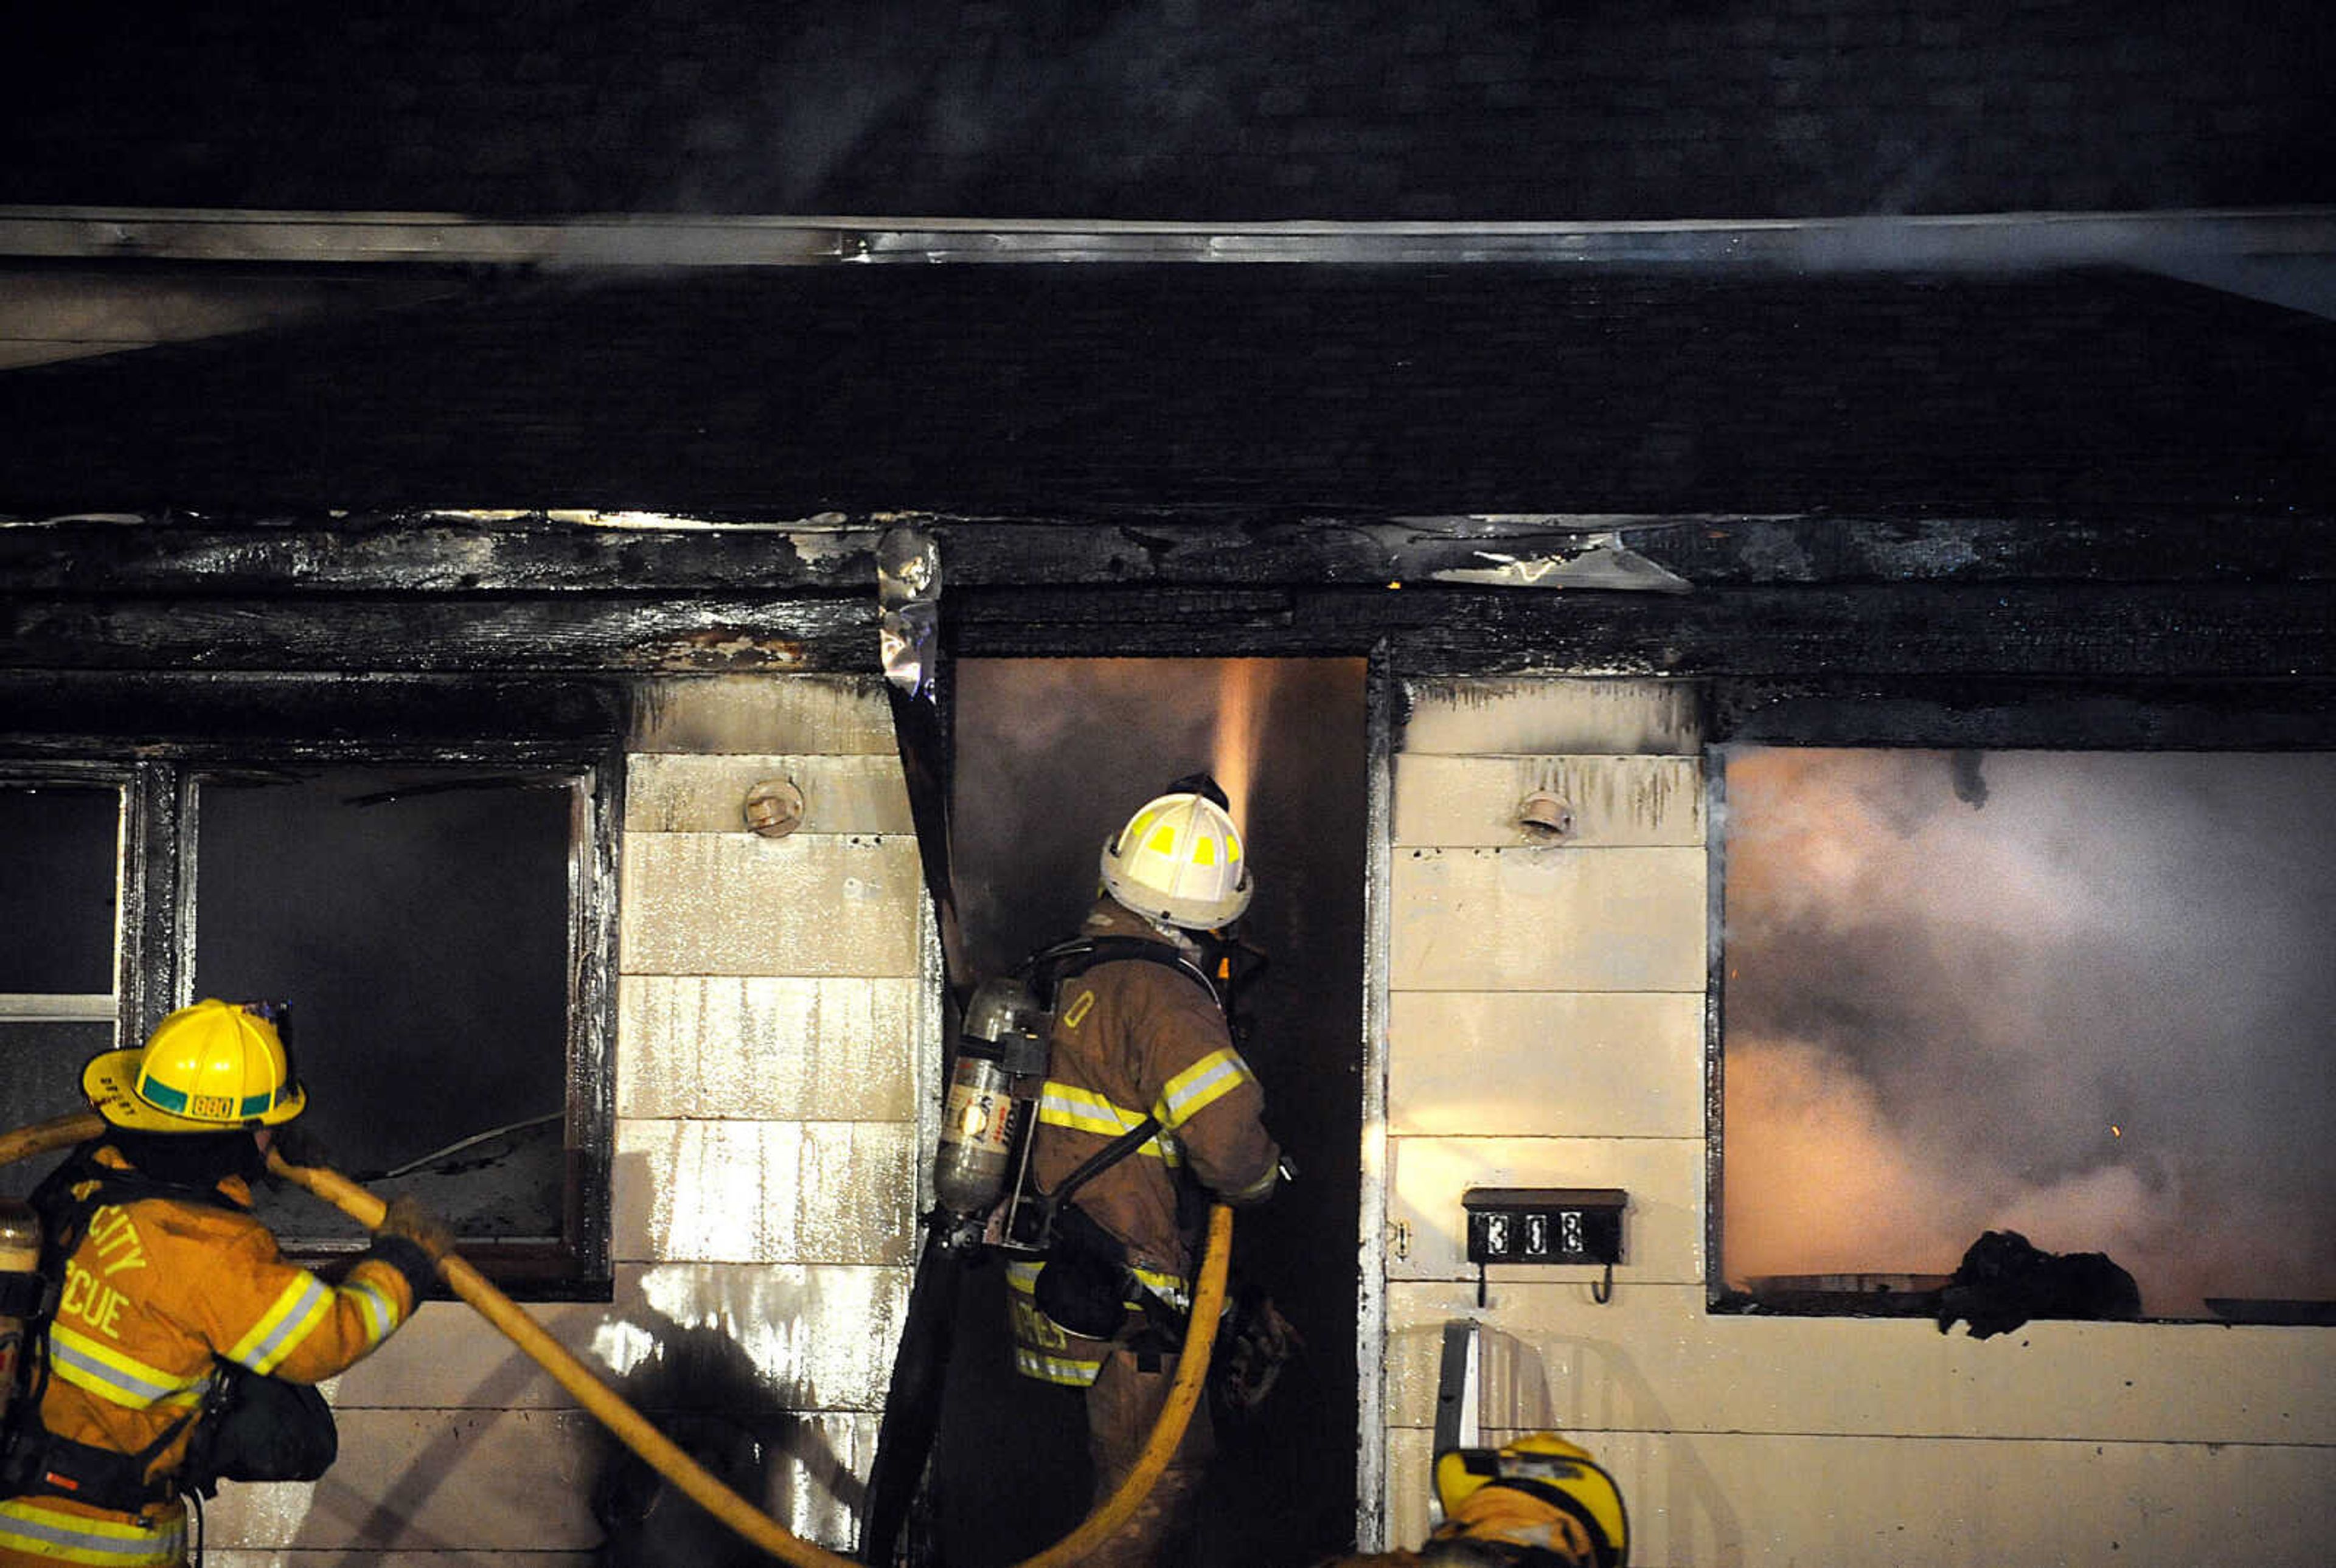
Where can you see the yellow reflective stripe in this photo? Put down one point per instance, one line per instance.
(1085, 1111)
(1023, 1277)
(376, 1306)
(98, 1368)
(1067, 1370)
(1259, 1188)
(1200, 1086)
(26, 1527)
(1171, 1288)
(283, 1327)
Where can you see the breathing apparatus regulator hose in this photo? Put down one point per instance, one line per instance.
(634, 1430)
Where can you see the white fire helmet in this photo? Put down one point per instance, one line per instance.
(1179, 860)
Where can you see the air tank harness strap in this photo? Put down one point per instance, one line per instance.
(1051, 1204)
(44, 1464)
(35, 1462)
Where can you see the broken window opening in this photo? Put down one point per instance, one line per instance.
(2081, 996)
(59, 904)
(441, 934)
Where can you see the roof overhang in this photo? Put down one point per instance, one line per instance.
(82, 281)
(1923, 243)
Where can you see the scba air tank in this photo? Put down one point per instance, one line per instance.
(1004, 1045)
(21, 1286)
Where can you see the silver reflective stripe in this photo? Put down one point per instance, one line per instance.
(379, 1309)
(280, 1330)
(108, 1374)
(28, 1526)
(1202, 1084)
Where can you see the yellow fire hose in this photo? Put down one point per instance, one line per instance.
(634, 1430)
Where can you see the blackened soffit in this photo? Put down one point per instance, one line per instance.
(1260, 390)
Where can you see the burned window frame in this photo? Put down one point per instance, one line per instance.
(156, 936)
(2136, 716)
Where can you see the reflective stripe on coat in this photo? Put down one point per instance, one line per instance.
(156, 1290)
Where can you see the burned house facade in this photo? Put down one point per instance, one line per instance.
(497, 630)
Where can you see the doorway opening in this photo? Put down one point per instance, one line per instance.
(1049, 758)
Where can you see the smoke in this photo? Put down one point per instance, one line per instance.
(1240, 717)
(2082, 996)
(1053, 756)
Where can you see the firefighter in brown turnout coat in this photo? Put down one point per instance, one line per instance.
(1143, 1073)
(182, 1343)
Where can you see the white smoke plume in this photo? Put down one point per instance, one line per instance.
(2083, 995)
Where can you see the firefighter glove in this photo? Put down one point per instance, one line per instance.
(297, 1146)
(409, 1220)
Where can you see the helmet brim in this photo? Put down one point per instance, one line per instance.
(110, 1081)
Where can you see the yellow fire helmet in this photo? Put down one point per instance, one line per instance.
(1179, 860)
(1542, 1465)
(204, 1069)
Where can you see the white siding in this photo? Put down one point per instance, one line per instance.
(772, 1007)
(1545, 1028)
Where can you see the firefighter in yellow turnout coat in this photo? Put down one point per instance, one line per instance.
(167, 1281)
(1134, 1037)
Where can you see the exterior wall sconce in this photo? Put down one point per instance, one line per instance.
(774, 808)
(1544, 819)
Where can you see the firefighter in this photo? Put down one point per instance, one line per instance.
(1536, 1502)
(178, 1320)
(1138, 1037)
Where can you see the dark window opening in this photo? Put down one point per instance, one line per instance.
(60, 842)
(417, 921)
(57, 901)
(2083, 995)
(440, 933)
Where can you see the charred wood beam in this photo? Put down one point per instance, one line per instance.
(439, 633)
(2002, 714)
(243, 714)
(2272, 631)
(2269, 631)
(550, 553)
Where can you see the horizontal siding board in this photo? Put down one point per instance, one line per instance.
(1554, 919)
(1472, 801)
(808, 1337)
(418, 1489)
(735, 904)
(765, 1047)
(1510, 1064)
(1653, 1359)
(708, 794)
(1551, 717)
(778, 1320)
(464, 1480)
(1757, 1500)
(450, 1358)
(1662, 1227)
(336, 1557)
(763, 714)
(737, 1192)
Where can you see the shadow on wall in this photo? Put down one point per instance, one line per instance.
(1611, 1409)
(701, 1390)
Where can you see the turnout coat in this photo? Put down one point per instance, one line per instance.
(158, 1292)
(1133, 1038)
